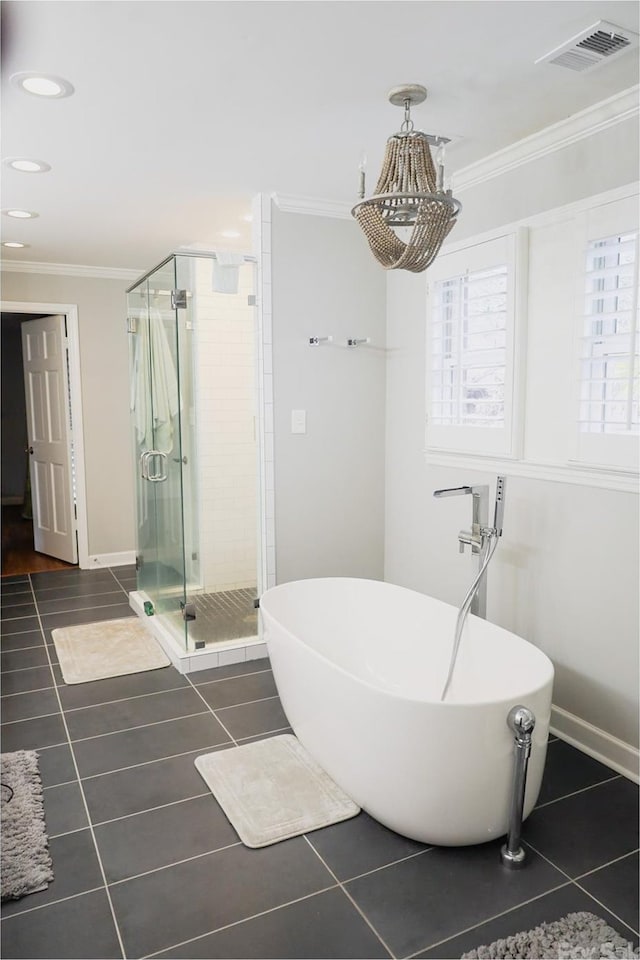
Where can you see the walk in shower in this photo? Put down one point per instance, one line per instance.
(193, 376)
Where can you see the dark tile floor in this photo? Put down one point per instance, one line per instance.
(146, 863)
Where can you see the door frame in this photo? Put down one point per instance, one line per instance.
(70, 311)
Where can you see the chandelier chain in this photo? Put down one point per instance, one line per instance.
(407, 123)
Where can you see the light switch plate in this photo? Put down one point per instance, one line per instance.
(298, 421)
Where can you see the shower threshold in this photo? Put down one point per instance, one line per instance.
(218, 617)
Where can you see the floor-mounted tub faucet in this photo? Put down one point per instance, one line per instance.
(479, 536)
(483, 540)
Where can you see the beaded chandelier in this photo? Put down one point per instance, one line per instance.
(411, 213)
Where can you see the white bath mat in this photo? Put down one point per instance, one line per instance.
(111, 648)
(272, 789)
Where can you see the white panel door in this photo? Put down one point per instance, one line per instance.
(46, 381)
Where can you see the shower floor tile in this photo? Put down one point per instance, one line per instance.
(227, 615)
(180, 883)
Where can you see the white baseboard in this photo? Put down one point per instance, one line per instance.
(110, 559)
(597, 743)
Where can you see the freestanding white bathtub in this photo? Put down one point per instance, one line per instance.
(360, 666)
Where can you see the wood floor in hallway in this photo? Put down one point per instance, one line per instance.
(18, 554)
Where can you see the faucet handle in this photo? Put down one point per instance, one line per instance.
(452, 492)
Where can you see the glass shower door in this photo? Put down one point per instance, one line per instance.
(158, 448)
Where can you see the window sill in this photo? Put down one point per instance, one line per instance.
(607, 479)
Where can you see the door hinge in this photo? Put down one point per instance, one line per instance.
(132, 324)
(75, 511)
(178, 299)
(252, 300)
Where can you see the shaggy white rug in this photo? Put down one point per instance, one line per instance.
(110, 648)
(578, 935)
(25, 865)
(272, 789)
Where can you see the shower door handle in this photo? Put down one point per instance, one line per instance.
(159, 474)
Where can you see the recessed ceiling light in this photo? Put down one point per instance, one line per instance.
(42, 85)
(14, 244)
(230, 234)
(20, 214)
(25, 165)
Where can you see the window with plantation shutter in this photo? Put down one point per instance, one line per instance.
(608, 341)
(470, 349)
(609, 360)
(468, 337)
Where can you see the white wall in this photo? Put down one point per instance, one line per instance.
(329, 482)
(224, 364)
(592, 165)
(566, 573)
(105, 396)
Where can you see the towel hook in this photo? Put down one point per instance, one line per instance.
(316, 341)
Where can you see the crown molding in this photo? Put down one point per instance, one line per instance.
(607, 113)
(69, 270)
(288, 203)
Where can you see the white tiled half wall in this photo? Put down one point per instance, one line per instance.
(225, 363)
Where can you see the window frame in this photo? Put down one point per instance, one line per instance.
(612, 451)
(510, 249)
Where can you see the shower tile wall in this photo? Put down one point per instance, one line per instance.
(225, 372)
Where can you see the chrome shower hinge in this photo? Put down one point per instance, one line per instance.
(178, 299)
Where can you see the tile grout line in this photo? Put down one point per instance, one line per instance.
(496, 916)
(134, 766)
(237, 923)
(211, 710)
(575, 793)
(40, 666)
(605, 907)
(569, 881)
(350, 898)
(175, 863)
(238, 676)
(392, 863)
(82, 794)
(245, 703)
(40, 716)
(5, 696)
(126, 592)
(609, 863)
(141, 726)
(159, 806)
(51, 903)
(137, 696)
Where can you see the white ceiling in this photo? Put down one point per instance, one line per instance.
(184, 110)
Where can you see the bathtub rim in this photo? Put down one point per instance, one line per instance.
(455, 704)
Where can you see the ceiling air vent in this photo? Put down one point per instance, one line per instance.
(598, 44)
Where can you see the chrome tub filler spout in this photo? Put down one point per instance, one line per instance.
(483, 540)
